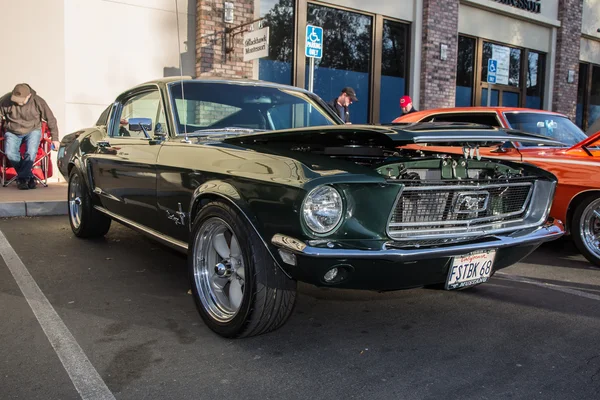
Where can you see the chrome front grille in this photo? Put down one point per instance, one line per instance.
(454, 211)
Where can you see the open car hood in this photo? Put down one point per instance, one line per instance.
(588, 142)
(392, 136)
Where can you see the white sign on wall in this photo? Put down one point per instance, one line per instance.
(256, 44)
(502, 55)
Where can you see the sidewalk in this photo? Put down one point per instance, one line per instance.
(51, 200)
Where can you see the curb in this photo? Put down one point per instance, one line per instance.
(33, 208)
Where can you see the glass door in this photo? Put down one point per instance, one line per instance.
(347, 39)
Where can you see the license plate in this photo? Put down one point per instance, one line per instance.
(470, 269)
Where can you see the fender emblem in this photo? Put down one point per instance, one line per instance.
(178, 216)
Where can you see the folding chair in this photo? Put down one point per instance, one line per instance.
(42, 166)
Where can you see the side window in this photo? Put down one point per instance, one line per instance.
(103, 119)
(489, 119)
(144, 105)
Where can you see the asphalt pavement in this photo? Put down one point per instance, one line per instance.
(532, 332)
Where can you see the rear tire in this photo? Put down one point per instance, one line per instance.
(238, 289)
(585, 229)
(85, 220)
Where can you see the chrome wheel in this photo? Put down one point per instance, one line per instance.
(589, 227)
(218, 269)
(75, 207)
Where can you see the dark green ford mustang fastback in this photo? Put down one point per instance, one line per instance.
(263, 186)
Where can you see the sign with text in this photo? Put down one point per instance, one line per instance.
(492, 69)
(534, 6)
(502, 56)
(256, 44)
(314, 41)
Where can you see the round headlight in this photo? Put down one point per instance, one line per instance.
(322, 209)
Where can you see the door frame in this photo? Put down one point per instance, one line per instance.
(521, 90)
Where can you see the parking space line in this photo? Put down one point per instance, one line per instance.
(84, 376)
(551, 286)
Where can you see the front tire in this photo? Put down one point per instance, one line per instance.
(238, 289)
(585, 229)
(85, 220)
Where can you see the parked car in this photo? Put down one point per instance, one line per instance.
(262, 185)
(575, 163)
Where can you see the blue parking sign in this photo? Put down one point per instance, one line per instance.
(492, 70)
(314, 41)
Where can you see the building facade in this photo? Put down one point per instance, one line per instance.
(436, 51)
(78, 54)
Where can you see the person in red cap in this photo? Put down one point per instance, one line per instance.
(23, 111)
(406, 105)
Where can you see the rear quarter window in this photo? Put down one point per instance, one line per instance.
(489, 119)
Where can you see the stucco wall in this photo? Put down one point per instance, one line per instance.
(590, 23)
(35, 55)
(591, 18)
(127, 42)
(489, 25)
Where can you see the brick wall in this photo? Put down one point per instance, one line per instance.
(564, 98)
(211, 41)
(438, 77)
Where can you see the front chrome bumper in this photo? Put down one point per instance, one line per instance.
(550, 231)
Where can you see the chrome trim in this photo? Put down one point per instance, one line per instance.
(537, 235)
(486, 138)
(167, 240)
(466, 230)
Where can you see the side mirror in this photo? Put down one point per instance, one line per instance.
(140, 124)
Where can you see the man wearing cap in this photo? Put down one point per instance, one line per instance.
(23, 111)
(341, 103)
(406, 105)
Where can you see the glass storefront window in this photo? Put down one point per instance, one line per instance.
(581, 88)
(536, 66)
(465, 71)
(509, 63)
(594, 107)
(279, 17)
(347, 38)
(493, 98)
(510, 99)
(394, 61)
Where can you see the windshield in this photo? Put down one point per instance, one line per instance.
(231, 107)
(552, 126)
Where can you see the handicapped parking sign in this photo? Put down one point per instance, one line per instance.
(492, 69)
(314, 41)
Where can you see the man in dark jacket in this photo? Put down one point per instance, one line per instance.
(23, 111)
(341, 103)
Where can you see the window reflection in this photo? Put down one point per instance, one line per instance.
(393, 69)
(536, 65)
(279, 17)
(493, 98)
(594, 108)
(346, 61)
(465, 71)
